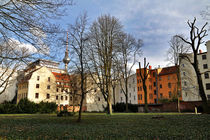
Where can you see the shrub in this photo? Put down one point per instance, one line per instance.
(120, 107)
(46, 107)
(26, 106)
(8, 108)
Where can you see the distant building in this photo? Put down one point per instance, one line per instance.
(190, 89)
(161, 84)
(11, 89)
(132, 91)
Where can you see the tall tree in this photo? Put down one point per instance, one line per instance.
(177, 47)
(196, 39)
(104, 34)
(129, 51)
(144, 75)
(78, 38)
(25, 22)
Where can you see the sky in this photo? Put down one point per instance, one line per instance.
(153, 21)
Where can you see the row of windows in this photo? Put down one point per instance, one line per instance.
(37, 86)
(57, 97)
(151, 95)
(150, 86)
(38, 78)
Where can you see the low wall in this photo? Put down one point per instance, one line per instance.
(172, 107)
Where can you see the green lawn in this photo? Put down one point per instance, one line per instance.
(101, 126)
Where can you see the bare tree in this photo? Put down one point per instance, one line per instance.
(177, 47)
(78, 38)
(104, 34)
(144, 75)
(25, 21)
(129, 50)
(196, 39)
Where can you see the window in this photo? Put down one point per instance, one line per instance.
(134, 89)
(61, 97)
(138, 88)
(160, 85)
(56, 97)
(208, 86)
(169, 94)
(139, 98)
(137, 81)
(185, 94)
(66, 97)
(121, 91)
(160, 78)
(161, 95)
(38, 78)
(62, 90)
(129, 85)
(57, 89)
(168, 77)
(48, 86)
(185, 83)
(99, 99)
(71, 98)
(48, 96)
(206, 75)
(203, 57)
(36, 95)
(37, 85)
(205, 66)
(184, 73)
(155, 100)
(169, 85)
(150, 96)
(48, 79)
(154, 84)
(130, 94)
(121, 99)
(133, 80)
(134, 98)
(208, 97)
(95, 90)
(155, 92)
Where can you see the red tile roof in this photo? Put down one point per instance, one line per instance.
(61, 77)
(168, 70)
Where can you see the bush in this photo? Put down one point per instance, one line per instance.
(8, 108)
(120, 107)
(26, 106)
(45, 107)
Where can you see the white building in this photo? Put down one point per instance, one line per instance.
(189, 83)
(11, 88)
(132, 91)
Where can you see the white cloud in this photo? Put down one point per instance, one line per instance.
(20, 46)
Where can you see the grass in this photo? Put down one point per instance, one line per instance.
(101, 126)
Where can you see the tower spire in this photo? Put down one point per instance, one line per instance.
(66, 59)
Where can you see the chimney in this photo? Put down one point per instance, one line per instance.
(150, 67)
(200, 51)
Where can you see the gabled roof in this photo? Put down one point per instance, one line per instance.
(61, 76)
(168, 70)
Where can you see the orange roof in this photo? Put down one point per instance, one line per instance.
(61, 76)
(168, 70)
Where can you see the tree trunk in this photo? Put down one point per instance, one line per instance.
(126, 103)
(145, 98)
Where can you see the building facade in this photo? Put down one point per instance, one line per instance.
(132, 91)
(161, 84)
(190, 89)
